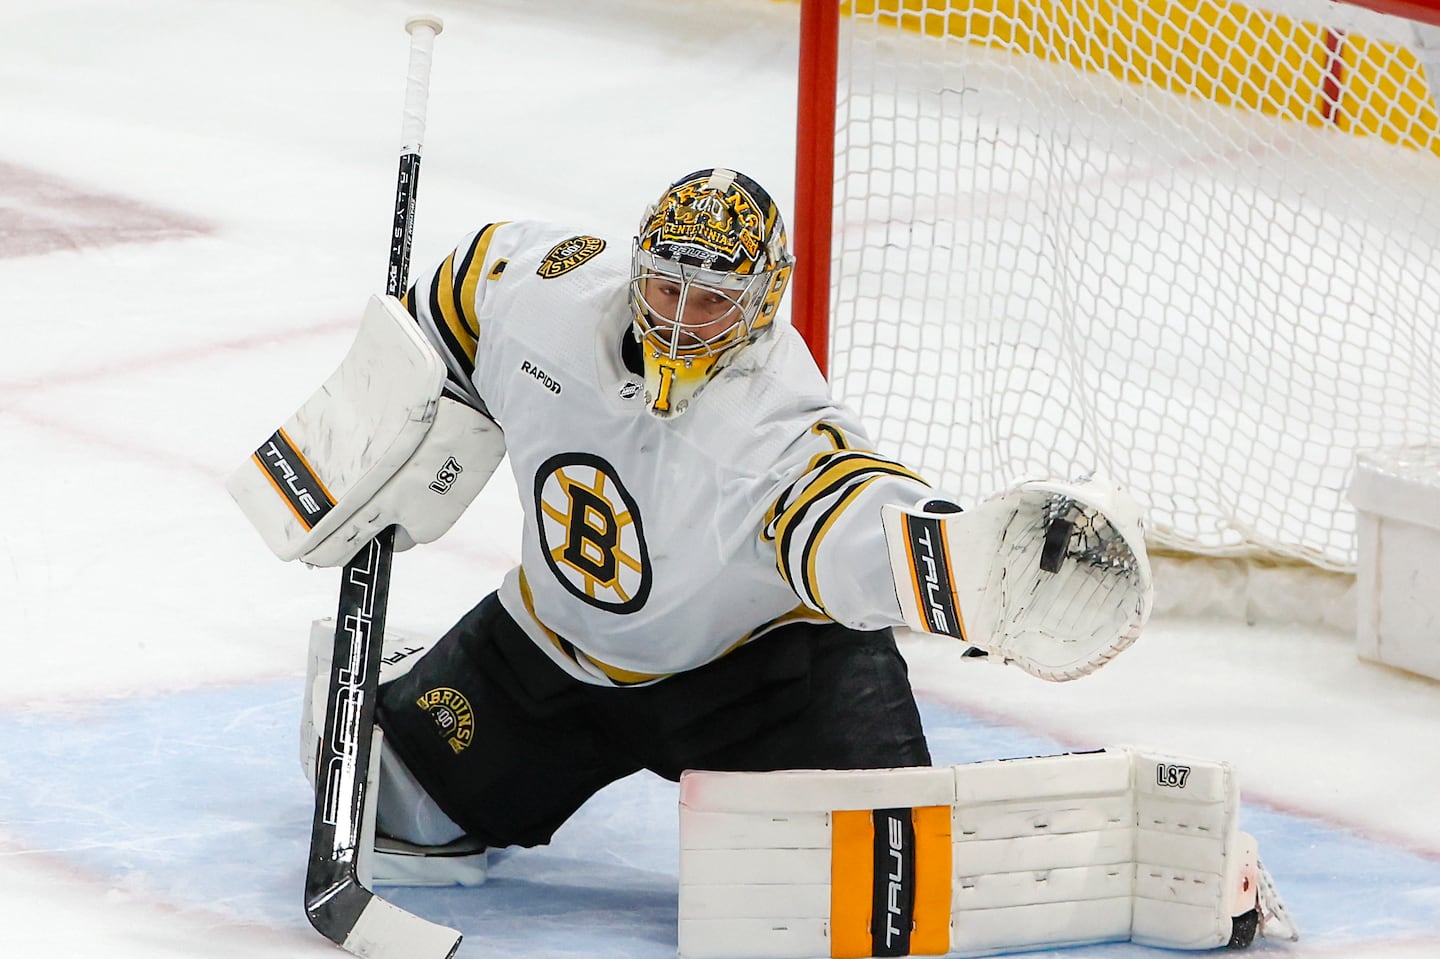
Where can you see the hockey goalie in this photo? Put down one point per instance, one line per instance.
(714, 560)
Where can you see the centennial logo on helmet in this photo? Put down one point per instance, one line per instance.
(568, 254)
(453, 718)
(590, 532)
(710, 225)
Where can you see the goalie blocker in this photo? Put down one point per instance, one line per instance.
(1052, 577)
(377, 445)
(970, 859)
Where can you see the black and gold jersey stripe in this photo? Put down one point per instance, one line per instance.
(449, 297)
(807, 509)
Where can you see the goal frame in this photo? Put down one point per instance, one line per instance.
(1034, 308)
(818, 71)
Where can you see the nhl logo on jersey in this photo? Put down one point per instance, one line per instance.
(590, 532)
(568, 254)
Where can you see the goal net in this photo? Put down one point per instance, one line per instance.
(1193, 245)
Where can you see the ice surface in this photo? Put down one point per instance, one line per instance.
(194, 205)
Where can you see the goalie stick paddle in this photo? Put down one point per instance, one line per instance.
(336, 901)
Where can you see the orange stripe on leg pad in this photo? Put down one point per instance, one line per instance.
(933, 854)
(870, 873)
(852, 876)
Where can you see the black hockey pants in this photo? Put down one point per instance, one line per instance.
(509, 745)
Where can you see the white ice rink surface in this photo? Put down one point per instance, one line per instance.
(195, 199)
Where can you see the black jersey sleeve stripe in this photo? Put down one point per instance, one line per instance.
(833, 433)
(793, 562)
(469, 275)
(839, 481)
(838, 442)
(833, 471)
(455, 384)
(464, 284)
(461, 357)
(787, 496)
(808, 580)
(443, 307)
(830, 472)
(845, 490)
(794, 521)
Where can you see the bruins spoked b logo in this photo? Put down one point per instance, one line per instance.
(591, 533)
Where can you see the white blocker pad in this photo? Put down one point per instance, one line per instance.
(966, 860)
(1052, 577)
(377, 445)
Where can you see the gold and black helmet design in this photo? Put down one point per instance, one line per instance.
(709, 268)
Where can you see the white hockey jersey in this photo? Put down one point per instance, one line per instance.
(654, 546)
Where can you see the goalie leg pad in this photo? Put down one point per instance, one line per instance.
(400, 652)
(405, 840)
(984, 857)
(1050, 576)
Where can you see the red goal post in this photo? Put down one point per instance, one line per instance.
(1194, 244)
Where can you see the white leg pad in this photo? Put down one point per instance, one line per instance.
(444, 857)
(983, 857)
(400, 651)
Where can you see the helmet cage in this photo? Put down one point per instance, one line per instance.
(694, 335)
(717, 243)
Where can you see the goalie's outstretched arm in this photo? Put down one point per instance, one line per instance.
(1050, 576)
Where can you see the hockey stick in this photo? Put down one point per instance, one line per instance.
(336, 901)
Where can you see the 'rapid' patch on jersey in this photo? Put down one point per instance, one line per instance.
(590, 532)
(568, 254)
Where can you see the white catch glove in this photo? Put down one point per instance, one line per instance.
(1050, 576)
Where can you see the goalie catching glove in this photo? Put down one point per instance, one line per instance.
(376, 446)
(1050, 576)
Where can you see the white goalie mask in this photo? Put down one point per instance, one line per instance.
(707, 273)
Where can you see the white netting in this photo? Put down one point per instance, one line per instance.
(1207, 284)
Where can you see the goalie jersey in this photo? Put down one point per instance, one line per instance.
(652, 545)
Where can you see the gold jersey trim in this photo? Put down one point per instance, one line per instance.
(629, 677)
